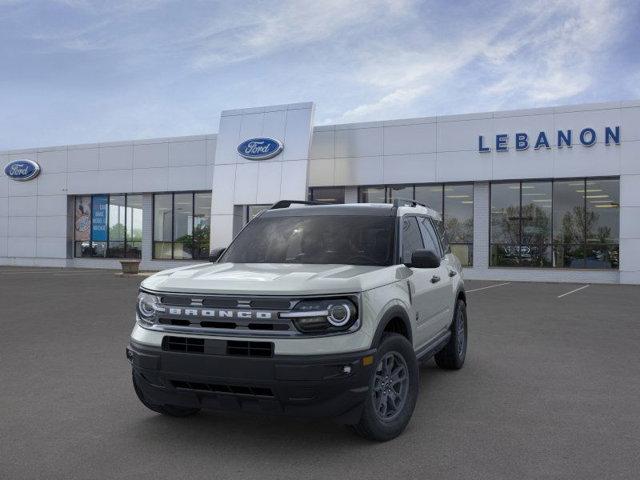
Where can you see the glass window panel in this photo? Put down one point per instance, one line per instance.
(429, 236)
(400, 191)
(134, 226)
(568, 212)
(115, 249)
(371, 195)
(99, 249)
(458, 213)
(603, 211)
(162, 250)
(535, 250)
(464, 252)
(505, 214)
(411, 238)
(117, 218)
(82, 249)
(601, 256)
(328, 194)
(201, 225)
(504, 255)
(568, 256)
(182, 225)
(444, 240)
(162, 217)
(116, 222)
(430, 195)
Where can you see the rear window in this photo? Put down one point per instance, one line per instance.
(317, 239)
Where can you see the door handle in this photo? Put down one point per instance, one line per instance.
(452, 273)
(435, 279)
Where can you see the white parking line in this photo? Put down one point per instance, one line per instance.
(573, 291)
(488, 286)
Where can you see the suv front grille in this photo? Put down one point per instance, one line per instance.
(183, 344)
(194, 313)
(217, 347)
(250, 349)
(220, 388)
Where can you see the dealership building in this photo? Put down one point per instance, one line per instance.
(548, 194)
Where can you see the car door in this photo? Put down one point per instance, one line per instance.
(422, 283)
(446, 272)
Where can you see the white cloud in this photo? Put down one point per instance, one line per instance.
(288, 24)
(554, 63)
(543, 52)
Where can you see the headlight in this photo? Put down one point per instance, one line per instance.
(324, 316)
(147, 307)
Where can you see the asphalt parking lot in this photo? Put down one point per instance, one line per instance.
(551, 389)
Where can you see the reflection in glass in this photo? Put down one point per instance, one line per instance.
(201, 224)
(371, 195)
(603, 211)
(162, 225)
(458, 213)
(505, 213)
(564, 224)
(182, 225)
(327, 194)
(568, 212)
(535, 215)
(117, 219)
(402, 191)
(430, 195)
(134, 226)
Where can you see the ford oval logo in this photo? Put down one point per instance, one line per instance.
(22, 170)
(260, 148)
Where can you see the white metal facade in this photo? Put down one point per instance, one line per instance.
(35, 216)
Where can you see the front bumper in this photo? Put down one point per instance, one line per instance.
(311, 386)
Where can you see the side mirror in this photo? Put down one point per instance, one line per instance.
(424, 259)
(215, 254)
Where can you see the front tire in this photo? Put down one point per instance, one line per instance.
(452, 356)
(393, 390)
(170, 410)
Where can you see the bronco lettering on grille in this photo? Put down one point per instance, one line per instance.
(219, 313)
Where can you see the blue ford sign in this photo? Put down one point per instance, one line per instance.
(22, 170)
(260, 148)
(565, 138)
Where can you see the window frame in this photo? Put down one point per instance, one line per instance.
(553, 245)
(125, 240)
(428, 221)
(173, 210)
(400, 249)
(310, 194)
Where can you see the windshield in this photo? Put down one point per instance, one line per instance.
(320, 239)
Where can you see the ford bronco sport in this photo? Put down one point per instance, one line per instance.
(320, 310)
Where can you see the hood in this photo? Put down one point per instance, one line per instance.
(272, 278)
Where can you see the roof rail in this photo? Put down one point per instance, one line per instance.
(404, 202)
(288, 203)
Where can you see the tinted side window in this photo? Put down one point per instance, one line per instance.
(411, 238)
(444, 241)
(429, 236)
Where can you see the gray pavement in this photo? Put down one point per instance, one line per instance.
(551, 389)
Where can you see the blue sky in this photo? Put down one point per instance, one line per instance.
(76, 71)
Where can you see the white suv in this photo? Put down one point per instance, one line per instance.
(321, 310)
